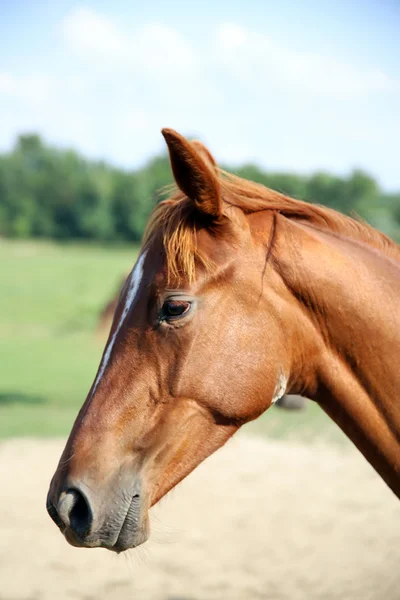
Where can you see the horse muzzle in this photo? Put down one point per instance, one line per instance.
(116, 521)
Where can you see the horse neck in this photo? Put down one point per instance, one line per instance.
(349, 294)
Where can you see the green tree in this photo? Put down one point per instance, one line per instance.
(48, 192)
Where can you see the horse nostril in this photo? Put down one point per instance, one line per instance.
(74, 510)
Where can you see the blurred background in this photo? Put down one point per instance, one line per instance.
(303, 97)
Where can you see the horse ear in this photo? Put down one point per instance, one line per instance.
(204, 153)
(194, 170)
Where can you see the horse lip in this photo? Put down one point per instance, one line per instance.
(128, 535)
(130, 527)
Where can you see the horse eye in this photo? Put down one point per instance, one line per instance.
(174, 309)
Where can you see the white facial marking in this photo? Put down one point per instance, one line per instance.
(133, 286)
(280, 388)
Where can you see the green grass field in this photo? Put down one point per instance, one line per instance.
(49, 353)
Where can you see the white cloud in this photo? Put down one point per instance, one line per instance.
(163, 47)
(36, 87)
(91, 32)
(251, 56)
(7, 83)
(155, 47)
(135, 121)
(232, 37)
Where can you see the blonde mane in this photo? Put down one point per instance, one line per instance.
(175, 222)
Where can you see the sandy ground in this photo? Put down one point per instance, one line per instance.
(257, 520)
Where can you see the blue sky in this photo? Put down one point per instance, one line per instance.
(299, 85)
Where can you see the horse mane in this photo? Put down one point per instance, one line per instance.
(175, 222)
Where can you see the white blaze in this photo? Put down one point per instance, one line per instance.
(133, 286)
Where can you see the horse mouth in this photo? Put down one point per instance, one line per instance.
(132, 532)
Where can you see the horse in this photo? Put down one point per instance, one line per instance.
(288, 402)
(240, 295)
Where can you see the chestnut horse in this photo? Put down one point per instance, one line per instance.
(289, 402)
(239, 295)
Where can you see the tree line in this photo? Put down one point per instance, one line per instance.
(53, 193)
